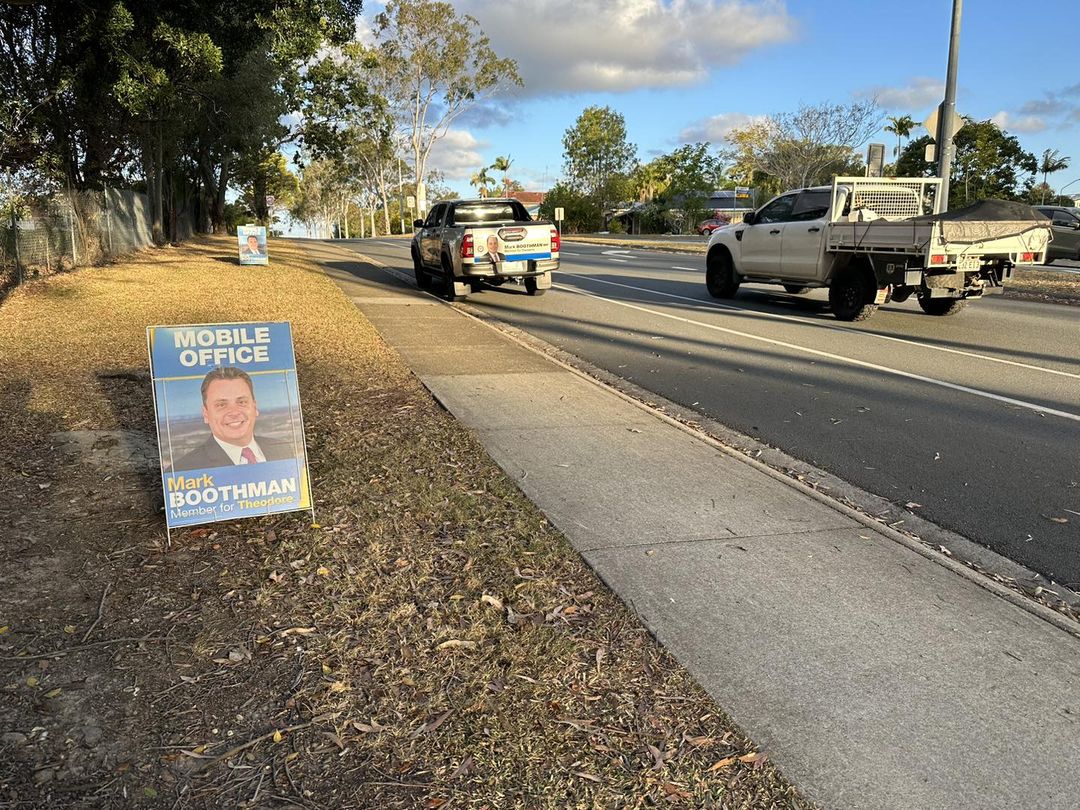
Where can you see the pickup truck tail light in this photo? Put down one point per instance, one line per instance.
(556, 241)
(467, 250)
(1027, 258)
(939, 258)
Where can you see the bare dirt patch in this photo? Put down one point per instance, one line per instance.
(430, 642)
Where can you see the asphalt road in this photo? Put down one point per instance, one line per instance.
(973, 419)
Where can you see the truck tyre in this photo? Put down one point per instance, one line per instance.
(531, 288)
(795, 289)
(423, 280)
(720, 277)
(449, 289)
(852, 294)
(941, 306)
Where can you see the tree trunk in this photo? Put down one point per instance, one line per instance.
(158, 226)
(217, 212)
(259, 190)
(153, 185)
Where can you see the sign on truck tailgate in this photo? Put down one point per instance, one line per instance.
(512, 244)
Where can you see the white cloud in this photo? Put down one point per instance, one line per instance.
(457, 155)
(917, 95)
(717, 127)
(1057, 108)
(1019, 123)
(571, 46)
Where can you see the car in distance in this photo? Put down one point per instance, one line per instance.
(1066, 227)
(711, 224)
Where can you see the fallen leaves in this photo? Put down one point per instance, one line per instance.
(457, 643)
(373, 727)
(756, 758)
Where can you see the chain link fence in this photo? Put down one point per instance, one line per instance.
(80, 228)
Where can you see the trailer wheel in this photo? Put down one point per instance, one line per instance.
(941, 306)
(795, 289)
(720, 277)
(423, 280)
(852, 294)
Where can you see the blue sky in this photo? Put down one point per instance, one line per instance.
(686, 70)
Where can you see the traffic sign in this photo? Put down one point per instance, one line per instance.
(560, 214)
(931, 123)
(875, 160)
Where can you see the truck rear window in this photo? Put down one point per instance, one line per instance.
(480, 212)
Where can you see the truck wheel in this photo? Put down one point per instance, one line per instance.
(720, 277)
(531, 288)
(423, 280)
(449, 291)
(795, 289)
(852, 294)
(941, 306)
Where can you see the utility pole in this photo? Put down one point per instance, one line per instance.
(948, 108)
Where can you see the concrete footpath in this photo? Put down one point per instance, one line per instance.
(874, 676)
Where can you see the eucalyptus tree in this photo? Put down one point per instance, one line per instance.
(806, 146)
(433, 64)
(598, 158)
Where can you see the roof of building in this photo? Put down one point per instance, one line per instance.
(529, 197)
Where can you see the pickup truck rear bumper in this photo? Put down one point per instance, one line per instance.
(534, 268)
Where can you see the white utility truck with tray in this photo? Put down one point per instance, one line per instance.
(871, 240)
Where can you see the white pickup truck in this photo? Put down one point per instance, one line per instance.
(467, 243)
(872, 240)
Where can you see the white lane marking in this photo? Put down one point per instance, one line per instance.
(691, 269)
(620, 261)
(805, 321)
(568, 253)
(830, 356)
(615, 252)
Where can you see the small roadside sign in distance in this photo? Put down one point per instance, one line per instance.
(560, 214)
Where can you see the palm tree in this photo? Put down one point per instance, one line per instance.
(1052, 161)
(502, 164)
(481, 180)
(901, 127)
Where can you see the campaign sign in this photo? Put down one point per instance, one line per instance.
(251, 240)
(230, 431)
(508, 249)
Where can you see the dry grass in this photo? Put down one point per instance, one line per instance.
(644, 243)
(432, 642)
(1044, 285)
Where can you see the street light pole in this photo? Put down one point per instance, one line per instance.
(1061, 191)
(948, 108)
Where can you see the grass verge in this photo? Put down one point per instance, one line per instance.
(431, 642)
